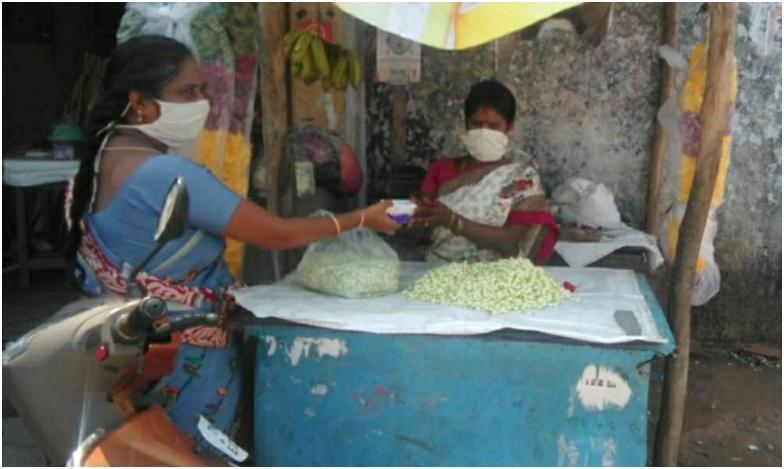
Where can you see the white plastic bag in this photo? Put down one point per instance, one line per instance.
(707, 278)
(586, 203)
(168, 19)
(356, 264)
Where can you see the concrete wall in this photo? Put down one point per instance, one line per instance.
(748, 244)
(589, 111)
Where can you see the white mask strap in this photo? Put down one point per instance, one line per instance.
(97, 167)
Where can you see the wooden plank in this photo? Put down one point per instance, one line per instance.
(309, 104)
(274, 97)
(670, 37)
(713, 115)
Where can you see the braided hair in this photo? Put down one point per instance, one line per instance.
(145, 64)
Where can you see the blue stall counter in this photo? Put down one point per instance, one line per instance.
(329, 397)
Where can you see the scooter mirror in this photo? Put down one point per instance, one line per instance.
(174, 215)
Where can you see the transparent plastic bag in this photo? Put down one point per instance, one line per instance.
(356, 264)
(587, 203)
(707, 279)
(164, 18)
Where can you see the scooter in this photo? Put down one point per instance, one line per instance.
(76, 380)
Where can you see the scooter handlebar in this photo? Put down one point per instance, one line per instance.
(162, 331)
(131, 326)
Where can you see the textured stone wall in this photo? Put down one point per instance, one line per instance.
(589, 111)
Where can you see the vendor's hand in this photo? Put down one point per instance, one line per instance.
(422, 197)
(431, 213)
(376, 218)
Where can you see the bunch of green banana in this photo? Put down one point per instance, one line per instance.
(311, 58)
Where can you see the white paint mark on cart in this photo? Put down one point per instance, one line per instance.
(600, 388)
(567, 452)
(609, 450)
(570, 411)
(322, 347)
(586, 451)
(272, 345)
(319, 390)
(310, 412)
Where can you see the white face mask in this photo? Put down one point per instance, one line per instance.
(486, 145)
(177, 124)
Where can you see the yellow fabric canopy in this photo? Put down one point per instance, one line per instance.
(453, 25)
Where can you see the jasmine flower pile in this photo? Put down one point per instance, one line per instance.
(504, 286)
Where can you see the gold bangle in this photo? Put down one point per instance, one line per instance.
(337, 224)
(459, 225)
(361, 218)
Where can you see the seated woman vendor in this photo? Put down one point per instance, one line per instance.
(481, 204)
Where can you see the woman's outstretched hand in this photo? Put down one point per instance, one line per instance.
(376, 218)
(431, 213)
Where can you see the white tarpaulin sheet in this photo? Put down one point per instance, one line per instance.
(580, 254)
(590, 315)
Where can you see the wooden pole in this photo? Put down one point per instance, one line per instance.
(670, 38)
(274, 97)
(274, 109)
(713, 115)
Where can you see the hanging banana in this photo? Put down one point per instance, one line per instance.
(289, 39)
(309, 71)
(311, 58)
(295, 69)
(338, 75)
(319, 54)
(302, 47)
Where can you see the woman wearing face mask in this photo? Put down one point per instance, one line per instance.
(482, 205)
(153, 100)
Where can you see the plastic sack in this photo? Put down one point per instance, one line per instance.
(356, 264)
(166, 19)
(586, 203)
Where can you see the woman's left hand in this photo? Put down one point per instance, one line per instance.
(431, 214)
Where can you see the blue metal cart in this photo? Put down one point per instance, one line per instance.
(336, 398)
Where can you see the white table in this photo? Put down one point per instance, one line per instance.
(34, 174)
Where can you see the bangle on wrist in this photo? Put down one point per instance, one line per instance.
(451, 224)
(337, 224)
(361, 219)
